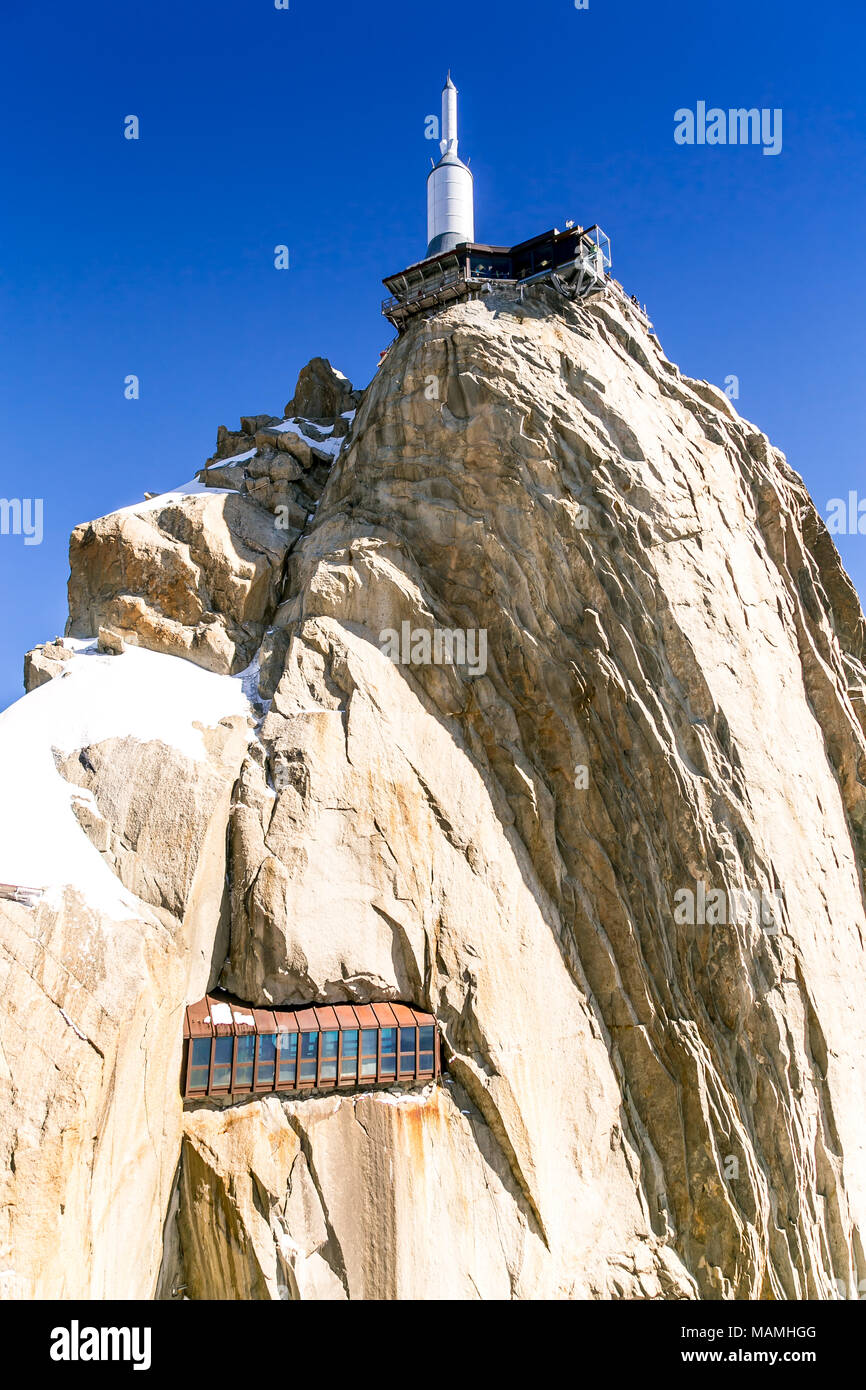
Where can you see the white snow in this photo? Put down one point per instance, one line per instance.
(405, 1098)
(235, 458)
(189, 489)
(142, 695)
(249, 680)
(220, 1013)
(326, 446)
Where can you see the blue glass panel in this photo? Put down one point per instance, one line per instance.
(330, 1042)
(309, 1056)
(349, 1065)
(222, 1062)
(389, 1051)
(425, 1048)
(267, 1058)
(199, 1071)
(288, 1056)
(369, 1052)
(245, 1055)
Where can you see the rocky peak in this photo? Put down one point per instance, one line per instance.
(553, 840)
(322, 392)
(196, 572)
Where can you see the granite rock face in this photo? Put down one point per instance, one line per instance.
(560, 735)
(94, 975)
(191, 576)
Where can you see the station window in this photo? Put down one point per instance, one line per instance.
(267, 1059)
(389, 1052)
(245, 1053)
(407, 1051)
(222, 1063)
(199, 1064)
(330, 1043)
(243, 1063)
(425, 1048)
(288, 1058)
(349, 1064)
(309, 1056)
(369, 1059)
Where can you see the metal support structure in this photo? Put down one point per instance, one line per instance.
(576, 262)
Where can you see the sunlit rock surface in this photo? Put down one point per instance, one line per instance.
(642, 1100)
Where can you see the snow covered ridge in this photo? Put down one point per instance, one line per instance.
(324, 445)
(309, 436)
(315, 436)
(141, 695)
(176, 494)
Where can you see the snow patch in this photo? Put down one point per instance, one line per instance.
(190, 489)
(325, 446)
(142, 695)
(220, 1013)
(235, 458)
(406, 1098)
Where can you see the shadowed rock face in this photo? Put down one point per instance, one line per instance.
(651, 1092)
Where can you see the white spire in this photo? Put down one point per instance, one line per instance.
(450, 199)
(448, 143)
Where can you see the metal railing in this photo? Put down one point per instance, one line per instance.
(17, 893)
(424, 290)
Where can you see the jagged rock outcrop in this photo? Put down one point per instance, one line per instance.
(556, 845)
(44, 663)
(196, 573)
(189, 576)
(322, 392)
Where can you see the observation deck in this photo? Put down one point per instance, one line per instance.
(577, 261)
(233, 1050)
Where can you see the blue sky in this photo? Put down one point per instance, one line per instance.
(305, 127)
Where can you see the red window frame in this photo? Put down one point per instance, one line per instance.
(406, 1019)
(307, 1023)
(386, 1018)
(328, 1023)
(367, 1021)
(266, 1026)
(287, 1023)
(220, 1030)
(423, 1020)
(347, 1023)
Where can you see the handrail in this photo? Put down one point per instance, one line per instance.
(17, 893)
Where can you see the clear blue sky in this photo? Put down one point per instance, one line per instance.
(306, 127)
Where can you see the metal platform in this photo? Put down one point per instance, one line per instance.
(577, 261)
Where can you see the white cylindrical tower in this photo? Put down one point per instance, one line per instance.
(450, 194)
